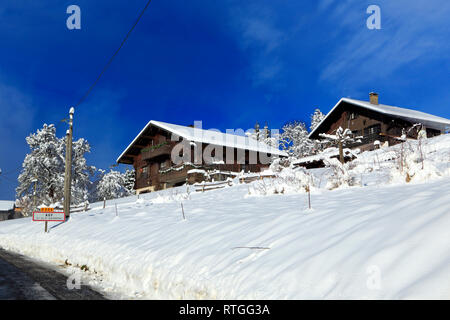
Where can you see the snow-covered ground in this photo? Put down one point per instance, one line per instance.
(388, 239)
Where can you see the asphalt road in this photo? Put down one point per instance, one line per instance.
(24, 279)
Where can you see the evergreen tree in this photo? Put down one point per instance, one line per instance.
(316, 118)
(81, 172)
(129, 179)
(111, 186)
(294, 139)
(42, 176)
(41, 181)
(264, 135)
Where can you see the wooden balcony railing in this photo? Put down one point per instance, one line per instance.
(154, 153)
(174, 175)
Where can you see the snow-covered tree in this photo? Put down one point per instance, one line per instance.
(255, 133)
(129, 179)
(111, 186)
(340, 138)
(42, 177)
(316, 118)
(81, 172)
(269, 137)
(294, 139)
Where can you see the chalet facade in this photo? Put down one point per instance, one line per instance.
(8, 210)
(373, 121)
(165, 155)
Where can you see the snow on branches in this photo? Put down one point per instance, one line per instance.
(294, 139)
(112, 186)
(316, 118)
(42, 178)
(341, 138)
(129, 180)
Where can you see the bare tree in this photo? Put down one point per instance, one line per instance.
(340, 138)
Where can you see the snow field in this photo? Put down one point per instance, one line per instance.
(387, 240)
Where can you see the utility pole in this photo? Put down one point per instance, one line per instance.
(68, 171)
(34, 194)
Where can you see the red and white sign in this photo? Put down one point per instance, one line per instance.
(49, 216)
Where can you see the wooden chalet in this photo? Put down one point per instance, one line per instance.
(152, 155)
(8, 210)
(373, 121)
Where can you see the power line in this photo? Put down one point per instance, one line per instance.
(113, 56)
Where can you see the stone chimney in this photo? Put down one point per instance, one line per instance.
(373, 98)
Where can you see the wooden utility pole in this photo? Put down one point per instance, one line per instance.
(68, 171)
(34, 195)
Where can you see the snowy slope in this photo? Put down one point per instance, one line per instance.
(386, 240)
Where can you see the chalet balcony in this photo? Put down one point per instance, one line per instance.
(150, 154)
(175, 175)
(367, 139)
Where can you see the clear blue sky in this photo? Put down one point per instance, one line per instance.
(227, 63)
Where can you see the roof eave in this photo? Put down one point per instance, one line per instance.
(323, 120)
(134, 140)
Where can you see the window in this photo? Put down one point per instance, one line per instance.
(144, 172)
(375, 129)
(352, 116)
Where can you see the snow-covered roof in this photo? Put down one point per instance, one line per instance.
(414, 116)
(6, 205)
(209, 137)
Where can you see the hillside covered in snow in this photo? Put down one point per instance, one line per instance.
(378, 228)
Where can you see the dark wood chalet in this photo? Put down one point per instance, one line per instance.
(156, 151)
(8, 210)
(373, 121)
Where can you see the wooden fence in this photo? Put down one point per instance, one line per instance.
(255, 178)
(206, 186)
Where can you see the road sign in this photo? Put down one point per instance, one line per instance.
(49, 216)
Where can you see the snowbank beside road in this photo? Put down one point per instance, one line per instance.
(371, 242)
(373, 236)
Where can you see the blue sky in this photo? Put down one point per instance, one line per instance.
(228, 63)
